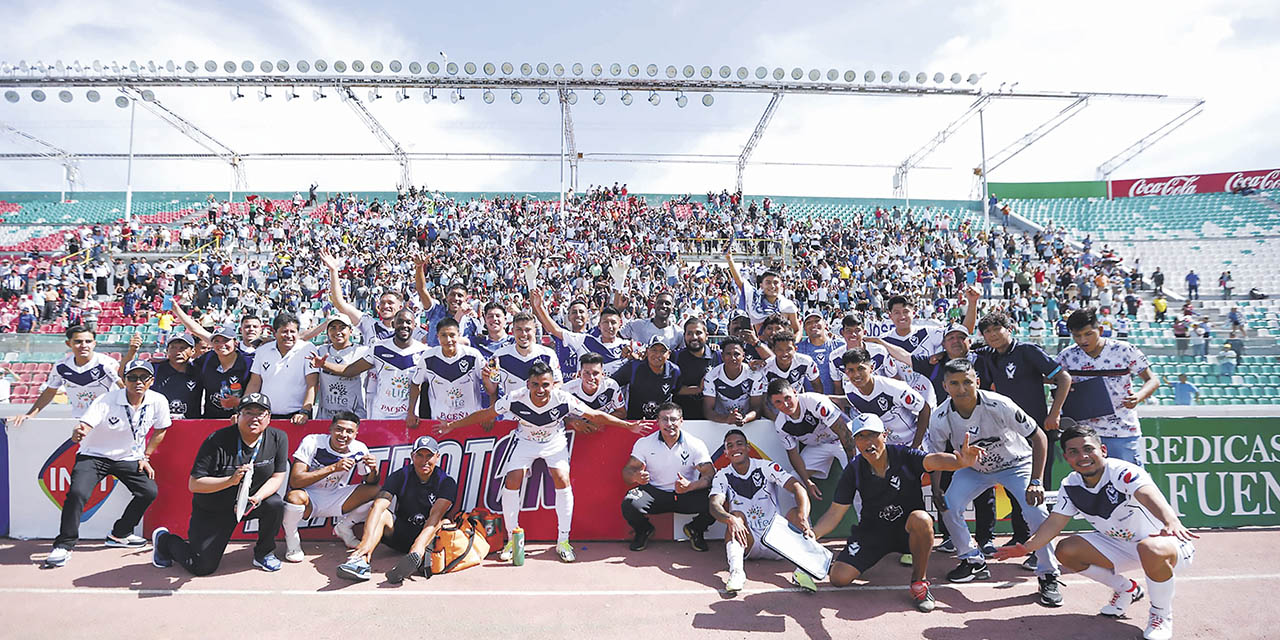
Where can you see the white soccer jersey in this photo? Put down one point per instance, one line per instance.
(372, 330)
(921, 340)
(730, 393)
(394, 369)
(1110, 506)
(607, 398)
(314, 451)
(581, 344)
(336, 393)
(515, 367)
(896, 403)
(540, 424)
(753, 494)
(83, 384)
(997, 425)
(921, 384)
(454, 384)
(752, 300)
(802, 368)
(881, 363)
(814, 425)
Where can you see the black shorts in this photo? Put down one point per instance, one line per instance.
(865, 547)
(402, 535)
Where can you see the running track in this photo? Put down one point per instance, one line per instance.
(667, 591)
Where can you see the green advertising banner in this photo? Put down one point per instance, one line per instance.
(1217, 472)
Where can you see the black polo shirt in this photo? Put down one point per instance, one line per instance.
(888, 500)
(180, 388)
(646, 389)
(223, 452)
(1019, 373)
(218, 384)
(415, 498)
(693, 369)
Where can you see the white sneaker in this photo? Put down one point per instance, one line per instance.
(294, 555)
(131, 541)
(346, 530)
(1159, 627)
(292, 545)
(57, 557)
(735, 582)
(1120, 601)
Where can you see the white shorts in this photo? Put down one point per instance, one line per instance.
(327, 503)
(758, 551)
(1124, 555)
(554, 453)
(817, 458)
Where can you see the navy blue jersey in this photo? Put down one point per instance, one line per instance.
(646, 389)
(181, 388)
(887, 500)
(218, 384)
(1019, 373)
(415, 498)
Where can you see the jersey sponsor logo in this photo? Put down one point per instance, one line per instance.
(891, 513)
(55, 480)
(823, 411)
(908, 399)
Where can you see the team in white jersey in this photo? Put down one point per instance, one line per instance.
(902, 409)
(811, 420)
(337, 393)
(393, 361)
(786, 363)
(595, 389)
(514, 360)
(83, 375)
(454, 375)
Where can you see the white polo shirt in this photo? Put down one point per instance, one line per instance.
(119, 431)
(663, 463)
(284, 377)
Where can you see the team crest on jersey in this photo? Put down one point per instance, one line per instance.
(684, 455)
(853, 548)
(464, 365)
(191, 385)
(1112, 495)
(757, 478)
(883, 403)
(96, 373)
(1010, 369)
(895, 482)
(666, 388)
(554, 413)
(113, 420)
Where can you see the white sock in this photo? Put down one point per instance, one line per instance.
(734, 551)
(1161, 595)
(1108, 577)
(358, 514)
(564, 512)
(511, 509)
(292, 516)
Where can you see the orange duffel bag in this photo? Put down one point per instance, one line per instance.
(458, 546)
(492, 525)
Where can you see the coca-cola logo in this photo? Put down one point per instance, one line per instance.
(1259, 181)
(1179, 186)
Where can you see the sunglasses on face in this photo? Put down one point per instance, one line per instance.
(137, 378)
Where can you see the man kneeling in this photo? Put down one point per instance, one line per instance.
(893, 518)
(424, 494)
(320, 483)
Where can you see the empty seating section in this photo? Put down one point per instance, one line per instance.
(1208, 215)
(850, 210)
(1253, 262)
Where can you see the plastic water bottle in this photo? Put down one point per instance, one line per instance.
(517, 555)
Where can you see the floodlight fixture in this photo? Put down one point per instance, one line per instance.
(263, 94)
(598, 97)
(451, 68)
(742, 73)
(832, 75)
(133, 66)
(797, 73)
(374, 95)
(850, 76)
(779, 74)
(266, 66)
(97, 66)
(558, 69)
(955, 78)
(814, 75)
(470, 68)
(974, 78)
(507, 68)
(688, 71)
(122, 101)
(321, 66)
(402, 95)
(543, 69)
(235, 94)
(516, 98)
(92, 95)
(544, 97)
(633, 70)
(869, 76)
(761, 73)
(190, 66)
(626, 98)
(339, 66)
(455, 96)
(597, 70)
(357, 66)
(151, 66)
(290, 94)
(376, 66)
(303, 66)
(708, 100)
(577, 68)
(487, 96)
(725, 71)
(62, 69)
(415, 67)
(318, 95)
(654, 98)
(938, 78)
(922, 77)
(429, 95)
(246, 66)
(433, 67)
(615, 69)
(572, 98)
(526, 69)
(904, 76)
(489, 69)
(37, 95)
(282, 65)
(148, 95)
(64, 95)
(395, 66)
(651, 70)
(705, 72)
(11, 96)
(671, 71)
(886, 77)
(681, 99)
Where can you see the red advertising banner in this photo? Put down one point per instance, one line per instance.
(473, 456)
(1195, 183)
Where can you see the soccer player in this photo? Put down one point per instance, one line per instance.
(423, 494)
(609, 345)
(727, 387)
(786, 364)
(393, 361)
(744, 496)
(339, 393)
(903, 332)
(595, 389)
(320, 483)
(282, 370)
(1135, 528)
(495, 334)
(812, 420)
(452, 373)
(515, 359)
(853, 333)
(663, 465)
(902, 409)
(540, 410)
(389, 306)
(996, 424)
(892, 518)
(649, 382)
(83, 374)
(764, 299)
(112, 435)
(819, 346)
(455, 304)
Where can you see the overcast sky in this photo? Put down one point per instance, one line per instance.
(1218, 50)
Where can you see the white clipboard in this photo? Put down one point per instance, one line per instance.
(807, 554)
(242, 497)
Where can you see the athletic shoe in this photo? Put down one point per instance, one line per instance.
(294, 555)
(735, 582)
(947, 546)
(268, 562)
(923, 597)
(988, 549)
(905, 560)
(158, 557)
(1158, 627)
(131, 541)
(1031, 563)
(969, 570)
(1050, 593)
(345, 529)
(641, 539)
(57, 557)
(405, 567)
(507, 551)
(804, 581)
(1120, 601)
(1013, 542)
(354, 569)
(565, 551)
(696, 539)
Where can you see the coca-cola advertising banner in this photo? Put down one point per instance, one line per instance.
(1195, 183)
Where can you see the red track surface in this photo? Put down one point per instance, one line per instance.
(667, 591)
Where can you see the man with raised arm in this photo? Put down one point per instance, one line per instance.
(765, 298)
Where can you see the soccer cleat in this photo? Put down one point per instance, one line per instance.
(1050, 591)
(1031, 563)
(1159, 627)
(57, 557)
(641, 539)
(565, 551)
(1120, 601)
(354, 569)
(905, 560)
(294, 555)
(404, 568)
(947, 546)
(804, 581)
(508, 551)
(131, 541)
(988, 549)
(269, 562)
(969, 570)
(345, 530)
(159, 558)
(922, 596)
(735, 582)
(696, 539)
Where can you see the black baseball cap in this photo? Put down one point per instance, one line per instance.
(258, 399)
